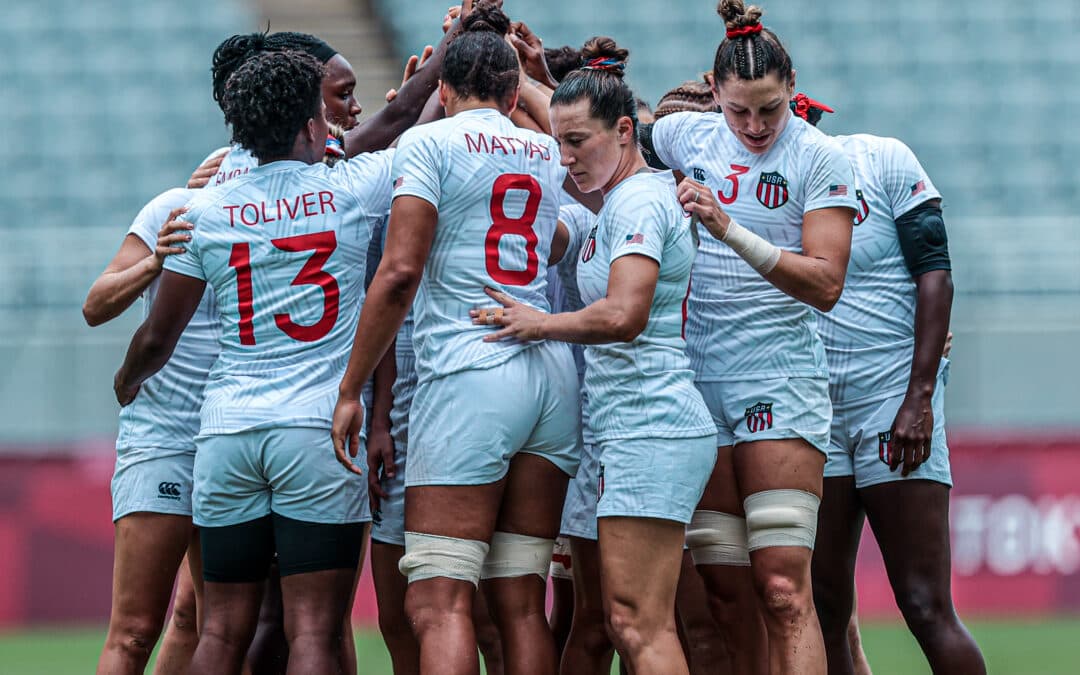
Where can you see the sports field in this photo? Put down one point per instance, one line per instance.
(1038, 647)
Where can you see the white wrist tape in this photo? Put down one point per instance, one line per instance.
(761, 255)
(717, 538)
(517, 555)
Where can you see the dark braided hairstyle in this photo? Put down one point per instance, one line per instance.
(600, 81)
(270, 98)
(237, 49)
(562, 61)
(480, 63)
(749, 50)
(690, 96)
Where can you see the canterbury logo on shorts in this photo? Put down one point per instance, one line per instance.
(168, 490)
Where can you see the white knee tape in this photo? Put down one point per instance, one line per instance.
(516, 555)
(428, 556)
(717, 538)
(561, 564)
(781, 518)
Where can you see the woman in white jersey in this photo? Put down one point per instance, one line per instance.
(475, 205)
(654, 436)
(284, 247)
(888, 456)
(155, 446)
(777, 196)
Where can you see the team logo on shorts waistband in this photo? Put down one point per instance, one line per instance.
(759, 417)
(772, 190)
(864, 208)
(168, 490)
(589, 249)
(884, 447)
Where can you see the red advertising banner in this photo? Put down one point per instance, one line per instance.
(1015, 533)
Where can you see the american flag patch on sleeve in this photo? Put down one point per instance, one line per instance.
(837, 190)
(918, 187)
(399, 182)
(632, 239)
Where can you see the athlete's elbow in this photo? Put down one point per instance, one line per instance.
(401, 279)
(828, 298)
(93, 314)
(625, 328)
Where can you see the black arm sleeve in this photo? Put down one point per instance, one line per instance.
(647, 150)
(923, 239)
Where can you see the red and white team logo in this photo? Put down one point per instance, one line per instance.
(772, 190)
(759, 417)
(884, 447)
(589, 249)
(864, 207)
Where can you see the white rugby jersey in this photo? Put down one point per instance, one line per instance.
(284, 247)
(740, 326)
(165, 414)
(643, 388)
(497, 189)
(238, 161)
(870, 335)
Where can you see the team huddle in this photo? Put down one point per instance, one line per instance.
(526, 327)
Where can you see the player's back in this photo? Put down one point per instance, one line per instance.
(284, 248)
(497, 190)
(869, 334)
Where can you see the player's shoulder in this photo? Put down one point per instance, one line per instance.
(576, 216)
(644, 191)
(689, 122)
(437, 131)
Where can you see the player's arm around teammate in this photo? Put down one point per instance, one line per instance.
(766, 381)
(153, 524)
(657, 440)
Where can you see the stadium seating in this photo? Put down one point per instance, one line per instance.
(105, 105)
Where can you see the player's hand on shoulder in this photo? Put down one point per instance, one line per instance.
(517, 320)
(206, 171)
(172, 236)
(699, 201)
(345, 432)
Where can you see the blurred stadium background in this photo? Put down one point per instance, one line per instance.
(107, 103)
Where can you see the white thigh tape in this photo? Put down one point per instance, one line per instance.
(428, 556)
(717, 538)
(781, 518)
(516, 555)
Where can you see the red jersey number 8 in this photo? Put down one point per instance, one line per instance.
(522, 226)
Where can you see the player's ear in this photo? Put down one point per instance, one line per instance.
(624, 128)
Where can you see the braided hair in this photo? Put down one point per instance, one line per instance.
(270, 98)
(749, 51)
(600, 81)
(237, 49)
(480, 63)
(690, 96)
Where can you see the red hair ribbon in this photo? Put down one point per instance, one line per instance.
(744, 30)
(803, 104)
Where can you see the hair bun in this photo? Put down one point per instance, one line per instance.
(486, 17)
(737, 15)
(602, 53)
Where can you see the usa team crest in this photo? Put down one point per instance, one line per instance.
(864, 207)
(759, 417)
(772, 190)
(589, 249)
(884, 446)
